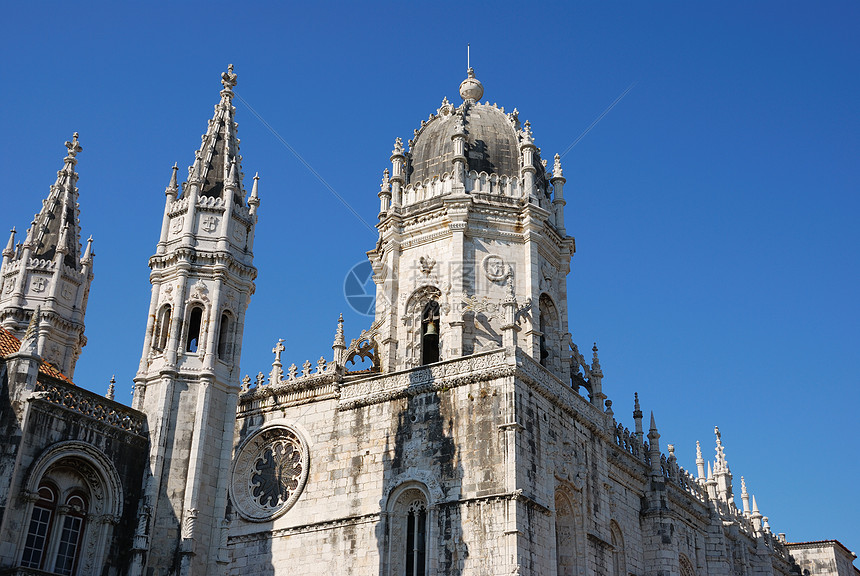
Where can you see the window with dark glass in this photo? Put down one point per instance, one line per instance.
(224, 339)
(416, 540)
(194, 322)
(40, 526)
(70, 536)
(162, 328)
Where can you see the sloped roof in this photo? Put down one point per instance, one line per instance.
(9, 344)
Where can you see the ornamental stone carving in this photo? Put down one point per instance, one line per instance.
(269, 473)
(494, 267)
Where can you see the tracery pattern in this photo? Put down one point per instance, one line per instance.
(269, 473)
(276, 473)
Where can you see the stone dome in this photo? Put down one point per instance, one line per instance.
(492, 145)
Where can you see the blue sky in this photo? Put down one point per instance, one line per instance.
(715, 207)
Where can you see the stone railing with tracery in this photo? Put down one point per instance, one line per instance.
(92, 405)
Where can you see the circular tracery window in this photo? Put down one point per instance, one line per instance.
(269, 473)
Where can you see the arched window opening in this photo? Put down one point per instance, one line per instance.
(70, 535)
(162, 327)
(685, 566)
(408, 534)
(430, 333)
(548, 324)
(194, 322)
(565, 536)
(39, 529)
(225, 339)
(544, 353)
(416, 539)
(619, 559)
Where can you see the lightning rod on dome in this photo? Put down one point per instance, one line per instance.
(468, 60)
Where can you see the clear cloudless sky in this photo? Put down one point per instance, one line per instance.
(715, 207)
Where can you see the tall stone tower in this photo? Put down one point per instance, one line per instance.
(470, 217)
(202, 280)
(48, 271)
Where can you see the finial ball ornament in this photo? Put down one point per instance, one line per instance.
(471, 88)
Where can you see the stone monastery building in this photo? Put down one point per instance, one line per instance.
(461, 433)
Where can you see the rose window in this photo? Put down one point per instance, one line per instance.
(269, 473)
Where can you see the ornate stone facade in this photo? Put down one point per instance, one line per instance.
(473, 439)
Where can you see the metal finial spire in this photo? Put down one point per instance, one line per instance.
(468, 58)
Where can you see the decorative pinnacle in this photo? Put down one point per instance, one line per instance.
(254, 199)
(398, 147)
(511, 297)
(653, 423)
(111, 387)
(339, 340)
(73, 147)
(10, 247)
(30, 341)
(743, 487)
(88, 253)
(595, 361)
(173, 186)
(471, 88)
(698, 451)
(228, 79)
(637, 409)
(385, 180)
(556, 167)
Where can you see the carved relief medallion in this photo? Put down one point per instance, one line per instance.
(494, 267)
(269, 473)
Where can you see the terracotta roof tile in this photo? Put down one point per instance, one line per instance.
(9, 344)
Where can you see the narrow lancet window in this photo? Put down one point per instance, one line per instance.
(162, 328)
(225, 344)
(416, 539)
(194, 322)
(430, 333)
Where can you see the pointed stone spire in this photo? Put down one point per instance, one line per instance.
(339, 345)
(654, 447)
(745, 497)
(722, 473)
(30, 341)
(59, 210)
(756, 516)
(173, 187)
(219, 147)
(87, 258)
(637, 417)
(111, 388)
(9, 252)
(254, 199)
(700, 461)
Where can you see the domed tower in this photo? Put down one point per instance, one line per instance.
(472, 244)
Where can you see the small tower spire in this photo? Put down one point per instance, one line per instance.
(654, 447)
(637, 417)
(30, 341)
(173, 187)
(339, 345)
(111, 388)
(745, 497)
(700, 462)
(10, 246)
